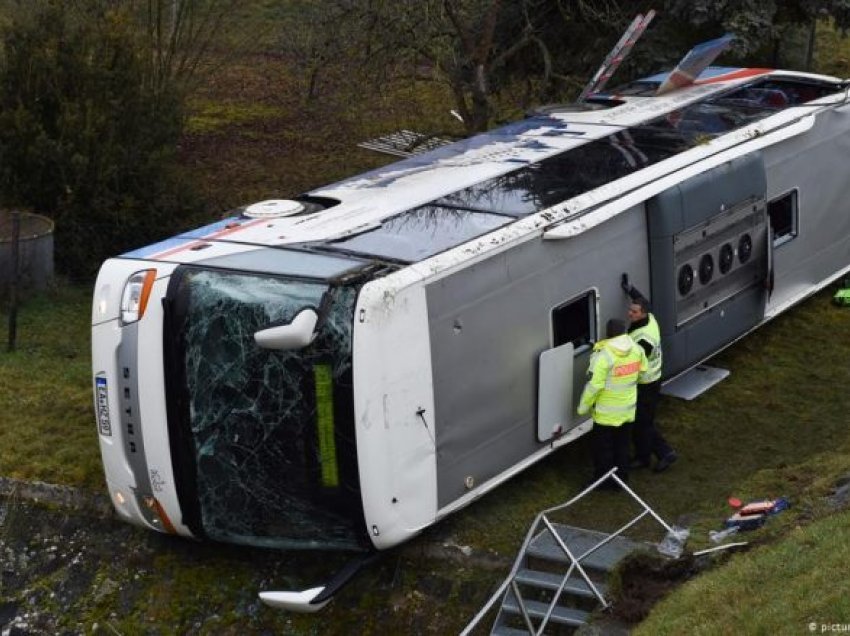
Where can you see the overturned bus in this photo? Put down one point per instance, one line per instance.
(345, 368)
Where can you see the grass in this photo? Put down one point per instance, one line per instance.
(210, 116)
(46, 427)
(832, 53)
(781, 588)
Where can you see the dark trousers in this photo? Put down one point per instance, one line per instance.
(648, 441)
(610, 447)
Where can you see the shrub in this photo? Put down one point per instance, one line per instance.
(87, 134)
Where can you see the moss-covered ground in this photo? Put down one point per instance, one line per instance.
(46, 429)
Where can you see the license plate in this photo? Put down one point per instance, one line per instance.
(102, 401)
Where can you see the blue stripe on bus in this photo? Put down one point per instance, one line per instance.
(212, 228)
(156, 248)
(181, 239)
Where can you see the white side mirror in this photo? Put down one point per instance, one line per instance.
(295, 601)
(296, 335)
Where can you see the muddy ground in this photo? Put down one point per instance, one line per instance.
(68, 566)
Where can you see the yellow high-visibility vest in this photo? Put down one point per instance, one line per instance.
(651, 334)
(610, 395)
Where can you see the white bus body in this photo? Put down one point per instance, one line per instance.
(435, 293)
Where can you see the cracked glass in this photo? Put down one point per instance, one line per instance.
(267, 473)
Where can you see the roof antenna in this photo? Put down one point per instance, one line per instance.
(617, 55)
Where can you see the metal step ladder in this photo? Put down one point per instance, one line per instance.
(559, 576)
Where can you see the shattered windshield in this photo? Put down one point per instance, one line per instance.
(269, 434)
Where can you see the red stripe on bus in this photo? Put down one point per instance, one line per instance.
(210, 237)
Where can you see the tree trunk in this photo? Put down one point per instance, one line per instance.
(481, 107)
(810, 45)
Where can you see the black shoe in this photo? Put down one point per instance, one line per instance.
(637, 464)
(665, 462)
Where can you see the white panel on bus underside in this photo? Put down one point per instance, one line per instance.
(555, 400)
(394, 412)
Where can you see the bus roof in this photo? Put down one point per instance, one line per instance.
(491, 179)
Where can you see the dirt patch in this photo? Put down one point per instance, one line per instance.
(93, 504)
(644, 579)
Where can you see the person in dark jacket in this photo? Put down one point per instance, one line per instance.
(648, 441)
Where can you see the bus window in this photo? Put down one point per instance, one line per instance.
(575, 322)
(783, 218)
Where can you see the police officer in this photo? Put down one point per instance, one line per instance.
(643, 329)
(610, 396)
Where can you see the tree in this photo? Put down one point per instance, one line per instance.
(490, 52)
(84, 137)
(475, 48)
(781, 32)
(458, 43)
(177, 36)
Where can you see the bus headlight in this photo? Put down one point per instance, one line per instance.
(134, 300)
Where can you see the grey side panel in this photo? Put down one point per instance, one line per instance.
(699, 221)
(130, 410)
(816, 165)
(490, 322)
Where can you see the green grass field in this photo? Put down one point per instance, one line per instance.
(46, 427)
(796, 585)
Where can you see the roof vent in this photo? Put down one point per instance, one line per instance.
(273, 209)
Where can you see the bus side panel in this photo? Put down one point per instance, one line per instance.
(810, 164)
(489, 324)
(690, 227)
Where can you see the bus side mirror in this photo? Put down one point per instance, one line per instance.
(296, 335)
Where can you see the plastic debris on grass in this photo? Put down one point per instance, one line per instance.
(673, 542)
(751, 516)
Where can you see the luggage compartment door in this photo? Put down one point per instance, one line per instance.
(555, 395)
(709, 256)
